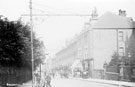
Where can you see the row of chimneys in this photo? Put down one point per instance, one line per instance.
(122, 12)
(94, 13)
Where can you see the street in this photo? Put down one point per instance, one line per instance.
(76, 83)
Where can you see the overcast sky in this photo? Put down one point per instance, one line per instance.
(53, 30)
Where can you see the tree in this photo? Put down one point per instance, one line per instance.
(128, 61)
(131, 47)
(131, 50)
(115, 60)
(15, 46)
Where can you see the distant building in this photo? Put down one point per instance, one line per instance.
(109, 36)
(95, 45)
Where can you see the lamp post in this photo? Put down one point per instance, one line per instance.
(129, 56)
(122, 65)
(105, 66)
(31, 27)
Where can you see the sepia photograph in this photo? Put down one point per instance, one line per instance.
(67, 43)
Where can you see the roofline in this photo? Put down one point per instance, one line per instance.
(112, 28)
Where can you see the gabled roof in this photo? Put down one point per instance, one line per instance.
(111, 20)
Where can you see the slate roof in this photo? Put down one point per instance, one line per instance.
(110, 20)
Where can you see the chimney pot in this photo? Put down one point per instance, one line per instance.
(122, 12)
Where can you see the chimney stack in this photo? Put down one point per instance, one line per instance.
(94, 13)
(122, 12)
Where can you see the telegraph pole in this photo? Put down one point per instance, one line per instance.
(31, 27)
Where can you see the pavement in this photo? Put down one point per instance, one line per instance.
(77, 82)
(63, 82)
(27, 84)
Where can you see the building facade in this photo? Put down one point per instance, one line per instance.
(99, 40)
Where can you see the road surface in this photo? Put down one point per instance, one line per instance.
(74, 82)
(77, 83)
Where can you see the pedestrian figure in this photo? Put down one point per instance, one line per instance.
(48, 80)
(53, 74)
(38, 79)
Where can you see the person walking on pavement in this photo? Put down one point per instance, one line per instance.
(48, 80)
(38, 79)
(44, 83)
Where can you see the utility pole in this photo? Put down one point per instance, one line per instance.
(31, 27)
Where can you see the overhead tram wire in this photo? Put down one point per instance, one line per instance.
(42, 11)
(45, 6)
(53, 9)
(57, 15)
(52, 13)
